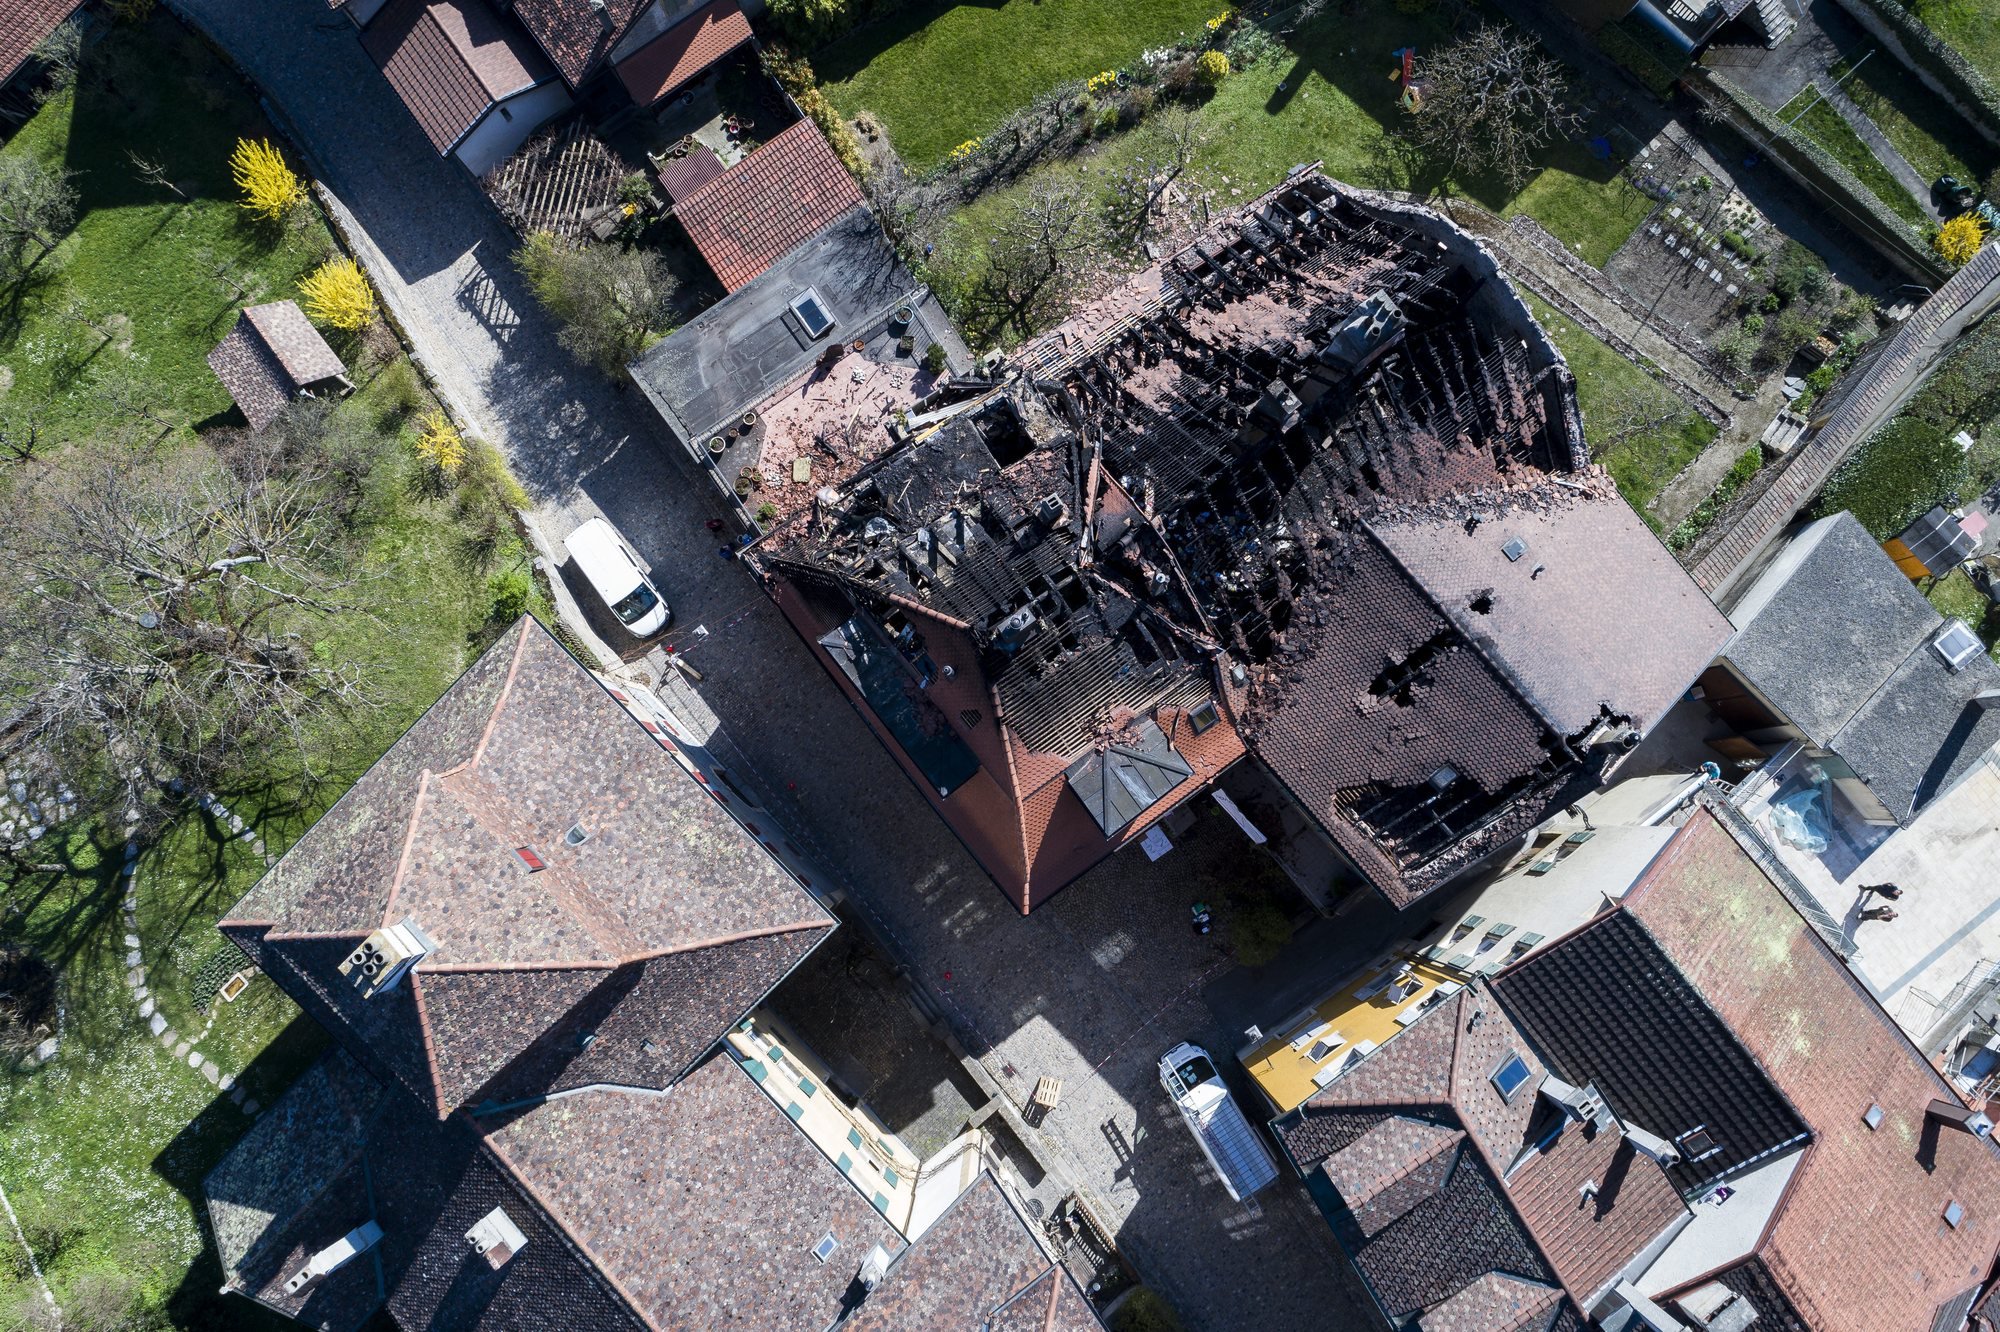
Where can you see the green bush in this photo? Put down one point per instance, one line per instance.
(1904, 469)
(1697, 523)
(1211, 68)
(1145, 1311)
(1799, 274)
(511, 590)
(812, 23)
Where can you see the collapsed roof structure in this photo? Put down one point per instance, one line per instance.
(1315, 488)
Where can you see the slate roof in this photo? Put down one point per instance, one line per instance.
(572, 33)
(271, 356)
(1859, 1245)
(1838, 640)
(1608, 1006)
(747, 218)
(683, 51)
(23, 25)
(450, 60)
(1130, 774)
(338, 1149)
(655, 933)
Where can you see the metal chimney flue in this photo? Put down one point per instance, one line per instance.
(1951, 1114)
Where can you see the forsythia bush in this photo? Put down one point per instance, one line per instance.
(1959, 239)
(270, 190)
(336, 293)
(963, 152)
(439, 443)
(1212, 68)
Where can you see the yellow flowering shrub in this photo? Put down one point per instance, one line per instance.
(439, 443)
(270, 190)
(1104, 82)
(963, 152)
(1959, 239)
(1211, 68)
(337, 293)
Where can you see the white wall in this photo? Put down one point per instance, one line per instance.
(508, 124)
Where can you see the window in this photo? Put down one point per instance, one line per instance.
(1953, 1214)
(824, 1249)
(1872, 1116)
(812, 314)
(529, 858)
(1510, 1077)
(1204, 716)
(1697, 1143)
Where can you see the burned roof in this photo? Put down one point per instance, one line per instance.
(272, 356)
(594, 914)
(1295, 472)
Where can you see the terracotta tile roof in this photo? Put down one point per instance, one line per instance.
(23, 25)
(1496, 1302)
(1608, 1006)
(573, 33)
(682, 176)
(703, 1205)
(271, 355)
(1392, 1167)
(659, 929)
(1590, 1241)
(449, 60)
(750, 215)
(1859, 1244)
(683, 51)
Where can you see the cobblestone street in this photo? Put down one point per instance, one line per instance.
(1091, 989)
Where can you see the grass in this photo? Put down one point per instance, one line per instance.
(1969, 26)
(1929, 134)
(1954, 595)
(1645, 463)
(1696, 524)
(107, 1144)
(137, 253)
(936, 75)
(1818, 121)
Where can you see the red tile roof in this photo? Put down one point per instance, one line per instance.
(1860, 1245)
(750, 216)
(450, 60)
(683, 176)
(23, 24)
(683, 51)
(574, 34)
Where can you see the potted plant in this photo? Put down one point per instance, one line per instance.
(906, 344)
(749, 421)
(716, 446)
(904, 314)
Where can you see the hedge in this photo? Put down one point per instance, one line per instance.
(1905, 469)
(1939, 59)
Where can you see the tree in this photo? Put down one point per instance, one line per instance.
(1959, 239)
(37, 205)
(338, 293)
(163, 613)
(610, 300)
(1038, 251)
(270, 189)
(1490, 102)
(1168, 146)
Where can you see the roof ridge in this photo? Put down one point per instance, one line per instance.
(409, 844)
(628, 959)
(506, 692)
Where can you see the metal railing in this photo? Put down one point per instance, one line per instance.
(1794, 889)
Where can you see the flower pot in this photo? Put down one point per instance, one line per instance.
(904, 314)
(749, 420)
(906, 344)
(716, 446)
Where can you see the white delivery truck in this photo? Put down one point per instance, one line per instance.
(1239, 1156)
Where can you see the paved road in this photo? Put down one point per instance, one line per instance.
(1090, 989)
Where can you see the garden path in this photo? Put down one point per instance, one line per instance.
(1878, 143)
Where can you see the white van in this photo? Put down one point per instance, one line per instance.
(1241, 1160)
(605, 563)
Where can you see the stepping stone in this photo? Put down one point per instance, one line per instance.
(46, 1050)
(133, 959)
(228, 1083)
(1734, 290)
(147, 1008)
(158, 1024)
(180, 1049)
(250, 1107)
(131, 941)
(142, 993)
(1715, 275)
(194, 1058)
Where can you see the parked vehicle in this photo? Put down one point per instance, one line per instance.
(1241, 1160)
(619, 581)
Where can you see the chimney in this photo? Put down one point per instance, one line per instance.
(873, 1268)
(1953, 1115)
(1651, 1144)
(496, 1238)
(379, 963)
(603, 12)
(1986, 700)
(335, 1256)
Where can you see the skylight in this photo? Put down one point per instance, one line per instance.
(1510, 1076)
(1956, 644)
(1953, 1214)
(531, 858)
(824, 1249)
(812, 314)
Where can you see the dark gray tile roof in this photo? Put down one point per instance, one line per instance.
(272, 354)
(1127, 774)
(658, 930)
(1921, 731)
(703, 1204)
(1607, 1006)
(1826, 625)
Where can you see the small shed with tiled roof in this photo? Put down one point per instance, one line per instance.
(751, 215)
(273, 357)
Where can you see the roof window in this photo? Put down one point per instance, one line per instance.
(812, 315)
(1872, 1116)
(1510, 1077)
(1953, 1214)
(824, 1249)
(577, 835)
(1204, 716)
(1956, 644)
(531, 858)
(1514, 549)
(1697, 1143)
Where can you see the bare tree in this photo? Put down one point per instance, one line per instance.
(154, 173)
(1632, 411)
(1488, 103)
(1039, 251)
(163, 613)
(37, 205)
(1167, 148)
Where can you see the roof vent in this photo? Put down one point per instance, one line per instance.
(1872, 1116)
(1514, 549)
(1589, 1190)
(335, 1256)
(873, 1268)
(824, 1249)
(577, 835)
(496, 1238)
(1956, 644)
(381, 960)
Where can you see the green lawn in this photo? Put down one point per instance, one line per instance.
(105, 1147)
(1644, 463)
(936, 75)
(1968, 25)
(142, 262)
(1824, 126)
(1955, 595)
(1930, 135)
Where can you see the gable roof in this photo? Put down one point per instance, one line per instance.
(747, 218)
(1607, 1006)
(652, 934)
(1860, 1245)
(572, 32)
(683, 51)
(271, 355)
(449, 61)
(23, 25)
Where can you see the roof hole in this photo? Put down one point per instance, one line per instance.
(1483, 604)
